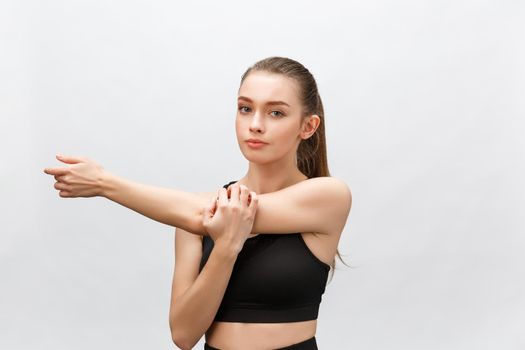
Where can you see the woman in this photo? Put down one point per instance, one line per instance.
(252, 260)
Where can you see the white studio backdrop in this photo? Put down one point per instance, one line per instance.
(424, 121)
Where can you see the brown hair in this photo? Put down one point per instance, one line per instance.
(311, 153)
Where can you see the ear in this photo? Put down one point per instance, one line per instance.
(310, 125)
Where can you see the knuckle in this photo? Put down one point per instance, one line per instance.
(235, 207)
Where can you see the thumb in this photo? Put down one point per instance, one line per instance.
(254, 200)
(209, 211)
(69, 159)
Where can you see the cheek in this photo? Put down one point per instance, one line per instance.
(237, 126)
(289, 131)
(286, 137)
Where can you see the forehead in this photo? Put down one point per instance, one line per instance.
(264, 86)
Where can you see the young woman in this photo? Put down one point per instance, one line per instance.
(252, 259)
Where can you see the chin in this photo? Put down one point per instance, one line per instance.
(256, 158)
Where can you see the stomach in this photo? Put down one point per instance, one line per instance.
(236, 335)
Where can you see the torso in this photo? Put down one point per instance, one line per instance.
(237, 335)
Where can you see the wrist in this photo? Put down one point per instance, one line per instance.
(106, 184)
(227, 248)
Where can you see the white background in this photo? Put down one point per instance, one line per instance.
(424, 104)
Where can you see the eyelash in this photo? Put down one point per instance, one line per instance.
(241, 107)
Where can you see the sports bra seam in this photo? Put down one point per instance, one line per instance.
(265, 307)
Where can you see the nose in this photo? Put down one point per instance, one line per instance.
(256, 124)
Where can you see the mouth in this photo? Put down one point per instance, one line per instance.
(255, 141)
(255, 144)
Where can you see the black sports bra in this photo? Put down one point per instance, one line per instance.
(276, 278)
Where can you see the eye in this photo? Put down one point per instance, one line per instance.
(280, 113)
(241, 108)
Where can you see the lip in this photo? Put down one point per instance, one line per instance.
(255, 144)
(255, 141)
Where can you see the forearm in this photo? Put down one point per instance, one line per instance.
(195, 310)
(169, 206)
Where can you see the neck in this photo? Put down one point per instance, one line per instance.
(265, 178)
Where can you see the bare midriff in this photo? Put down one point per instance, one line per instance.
(236, 335)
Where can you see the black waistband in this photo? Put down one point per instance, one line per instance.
(308, 344)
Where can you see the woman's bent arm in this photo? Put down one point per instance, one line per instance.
(194, 311)
(169, 206)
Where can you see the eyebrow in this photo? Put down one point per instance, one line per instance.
(268, 103)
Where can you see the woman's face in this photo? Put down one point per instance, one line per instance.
(268, 109)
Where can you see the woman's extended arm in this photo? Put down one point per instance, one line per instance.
(86, 178)
(315, 205)
(320, 204)
(169, 206)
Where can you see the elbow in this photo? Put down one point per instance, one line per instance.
(181, 346)
(181, 342)
(181, 337)
(176, 336)
(195, 222)
(197, 226)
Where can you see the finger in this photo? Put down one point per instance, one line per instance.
(61, 178)
(56, 171)
(255, 200)
(223, 197)
(62, 186)
(209, 210)
(70, 159)
(213, 205)
(244, 195)
(64, 194)
(234, 197)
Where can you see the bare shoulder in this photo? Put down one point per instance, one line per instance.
(320, 204)
(335, 187)
(328, 189)
(333, 191)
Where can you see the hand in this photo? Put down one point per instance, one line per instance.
(230, 220)
(81, 179)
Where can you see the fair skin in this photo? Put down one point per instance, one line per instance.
(271, 168)
(286, 202)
